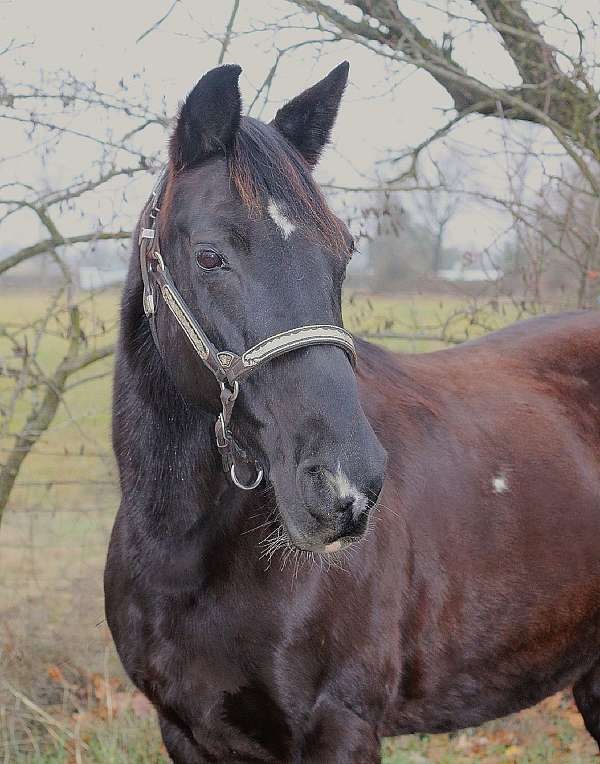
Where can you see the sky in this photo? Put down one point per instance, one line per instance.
(386, 109)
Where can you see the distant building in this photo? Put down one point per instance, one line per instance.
(472, 268)
(470, 274)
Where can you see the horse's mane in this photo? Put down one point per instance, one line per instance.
(263, 165)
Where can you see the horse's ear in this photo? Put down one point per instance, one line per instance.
(306, 121)
(208, 119)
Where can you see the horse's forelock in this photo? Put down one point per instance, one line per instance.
(264, 166)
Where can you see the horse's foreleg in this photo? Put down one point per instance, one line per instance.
(587, 697)
(338, 736)
(179, 744)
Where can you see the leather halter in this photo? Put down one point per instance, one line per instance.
(228, 368)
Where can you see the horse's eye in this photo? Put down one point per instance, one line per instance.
(351, 247)
(208, 259)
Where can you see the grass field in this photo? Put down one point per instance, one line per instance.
(63, 696)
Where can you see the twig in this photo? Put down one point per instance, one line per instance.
(228, 31)
(157, 23)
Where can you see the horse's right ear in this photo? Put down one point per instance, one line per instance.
(208, 119)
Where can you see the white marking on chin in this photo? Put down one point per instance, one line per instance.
(286, 226)
(335, 546)
(500, 483)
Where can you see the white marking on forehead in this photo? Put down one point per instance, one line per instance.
(500, 483)
(286, 226)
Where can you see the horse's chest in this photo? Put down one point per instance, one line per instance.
(217, 668)
(213, 644)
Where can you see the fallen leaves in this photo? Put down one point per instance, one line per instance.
(552, 732)
(110, 698)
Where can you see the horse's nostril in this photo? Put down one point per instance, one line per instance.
(345, 504)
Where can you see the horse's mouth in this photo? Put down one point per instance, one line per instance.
(322, 539)
(330, 548)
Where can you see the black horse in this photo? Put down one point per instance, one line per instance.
(252, 620)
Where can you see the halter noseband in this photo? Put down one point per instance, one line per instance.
(228, 368)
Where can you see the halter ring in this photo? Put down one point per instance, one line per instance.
(250, 486)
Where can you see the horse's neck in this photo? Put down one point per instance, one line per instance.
(170, 469)
(172, 478)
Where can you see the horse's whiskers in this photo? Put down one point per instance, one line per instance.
(258, 527)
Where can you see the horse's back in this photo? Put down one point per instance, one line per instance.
(567, 343)
(555, 358)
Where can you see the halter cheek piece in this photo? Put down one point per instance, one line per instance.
(228, 368)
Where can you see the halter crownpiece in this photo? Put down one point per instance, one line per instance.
(228, 368)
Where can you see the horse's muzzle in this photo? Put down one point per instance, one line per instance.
(338, 501)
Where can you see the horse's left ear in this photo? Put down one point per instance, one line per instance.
(306, 121)
(208, 119)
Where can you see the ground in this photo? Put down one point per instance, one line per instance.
(63, 696)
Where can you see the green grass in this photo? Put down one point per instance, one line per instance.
(446, 317)
(53, 542)
(123, 740)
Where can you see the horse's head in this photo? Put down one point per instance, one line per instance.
(254, 250)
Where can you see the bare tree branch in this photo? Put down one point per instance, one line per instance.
(228, 31)
(159, 22)
(565, 103)
(47, 245)
(42, 415)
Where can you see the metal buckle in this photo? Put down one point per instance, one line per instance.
(160, 263)
(148, 303)
(234, 393)
(222, 434)
(223, 441)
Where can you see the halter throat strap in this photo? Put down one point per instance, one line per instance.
(228, 368)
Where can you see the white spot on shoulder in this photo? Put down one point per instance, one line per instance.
(500, 483)
(286, 226)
